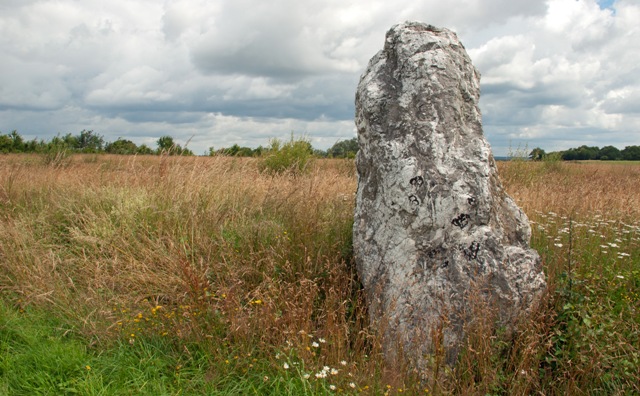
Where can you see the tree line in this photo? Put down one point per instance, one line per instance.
(341, 149)
(585, 153)
(88, 141)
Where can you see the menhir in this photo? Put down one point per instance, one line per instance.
(438, 243)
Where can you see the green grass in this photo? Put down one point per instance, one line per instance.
(39, 355)
(42, 356)
(596, 335)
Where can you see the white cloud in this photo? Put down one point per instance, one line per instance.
(275, 39)
(140, 85)
(556, 85)
(554, 72)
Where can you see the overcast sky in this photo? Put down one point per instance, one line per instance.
(555, 74)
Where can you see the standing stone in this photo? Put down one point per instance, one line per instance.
(434, 230)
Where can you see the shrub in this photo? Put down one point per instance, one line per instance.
(292, 156)
(57, 153)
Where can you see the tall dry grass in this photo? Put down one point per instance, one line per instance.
(610, 189)
(212, 252)
(233, 256)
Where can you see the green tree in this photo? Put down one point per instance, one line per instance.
(320, 153)
(6, 144)
(245, 152)
(143, 149)
(89, 142)
(609, 153)
(58, 143)
(68, 141)
(537, 154)
(238, 151)
(34, 146)
(121, 146)
(165, 144)
(231, 151)
(582, 153)
(631, 153)
(344, 149)
(17, 142)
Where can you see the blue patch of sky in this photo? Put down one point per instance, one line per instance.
(603, 4)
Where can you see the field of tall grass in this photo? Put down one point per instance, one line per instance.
(125, 275)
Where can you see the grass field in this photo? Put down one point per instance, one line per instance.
(124, 275)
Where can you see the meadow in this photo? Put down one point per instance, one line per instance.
(140, 275)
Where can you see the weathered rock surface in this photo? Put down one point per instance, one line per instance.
(434, 230)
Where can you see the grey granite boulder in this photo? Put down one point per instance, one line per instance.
(433, 228)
